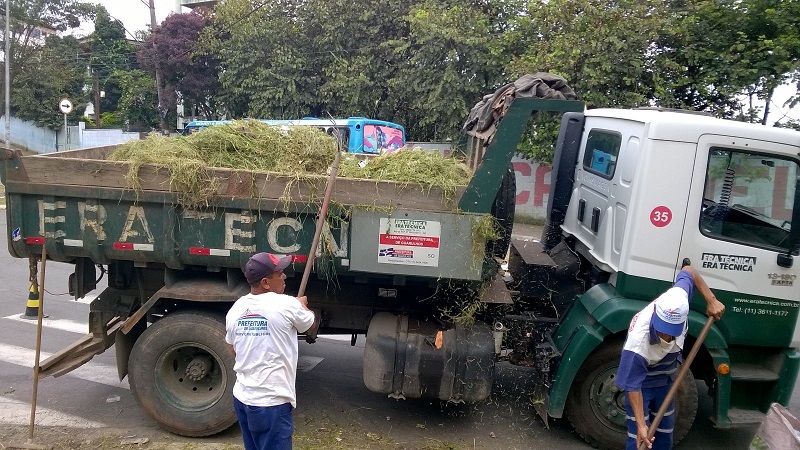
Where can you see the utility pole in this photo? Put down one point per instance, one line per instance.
(8, 76)
(96, 100)
(162, 109)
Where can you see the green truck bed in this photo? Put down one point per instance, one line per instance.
(82, 206)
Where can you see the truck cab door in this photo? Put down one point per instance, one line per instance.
(737, 233)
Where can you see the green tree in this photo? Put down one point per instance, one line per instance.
(382, 60)
(48, 76)
(453, 60)
(349, 42)
(724, 55)
(602, 48)
(138, 105)
(424, 64)
(193, 75)
(33, 19)
(261, 52)
(45, 69)
(110, 51)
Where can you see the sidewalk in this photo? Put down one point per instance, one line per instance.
(524, 230)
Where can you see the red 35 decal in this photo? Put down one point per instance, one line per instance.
(661, 216)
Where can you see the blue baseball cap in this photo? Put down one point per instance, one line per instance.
(671, 312)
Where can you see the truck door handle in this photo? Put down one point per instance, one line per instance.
(785, 260)
(595, 219)
(581, 209)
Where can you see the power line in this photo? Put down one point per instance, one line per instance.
(780, 111)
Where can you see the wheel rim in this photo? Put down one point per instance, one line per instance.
(607, 400)
(189, 376)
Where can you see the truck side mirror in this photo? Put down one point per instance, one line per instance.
(787, 259)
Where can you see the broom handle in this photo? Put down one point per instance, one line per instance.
(38, 345)
(681, 373)
(311, 335)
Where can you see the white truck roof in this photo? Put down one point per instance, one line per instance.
(688, 127)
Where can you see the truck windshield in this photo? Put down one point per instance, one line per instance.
(748, 198)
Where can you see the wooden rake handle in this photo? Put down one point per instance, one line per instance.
(311, 335)
(681, 374)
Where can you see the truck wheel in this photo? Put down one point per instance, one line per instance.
(596, 408)
(181, 372)
(503, 210)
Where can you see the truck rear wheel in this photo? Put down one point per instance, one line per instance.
(596, 407)
(181, 372)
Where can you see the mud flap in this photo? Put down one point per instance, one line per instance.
(123, 343)
(541, 401)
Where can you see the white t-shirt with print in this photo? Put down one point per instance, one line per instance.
(263, 331)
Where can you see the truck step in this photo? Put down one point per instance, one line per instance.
(743, 417)
(546, 275)
(78, 353)
(752, 372)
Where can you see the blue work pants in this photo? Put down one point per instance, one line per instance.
(652, 399)
(265, 427)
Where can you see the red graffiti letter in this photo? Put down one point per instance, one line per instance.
(522, 168)
(540, 188)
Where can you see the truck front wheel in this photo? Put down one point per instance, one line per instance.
(596, 407)
(181, 372)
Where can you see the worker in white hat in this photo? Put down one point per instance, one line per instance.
(652, 354)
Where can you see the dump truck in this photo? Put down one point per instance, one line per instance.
(633, 193)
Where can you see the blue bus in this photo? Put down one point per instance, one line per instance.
(358, 134)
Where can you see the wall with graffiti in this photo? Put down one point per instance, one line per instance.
(533, 188)
(533, 181)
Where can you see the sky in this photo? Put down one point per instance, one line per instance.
(777, 110)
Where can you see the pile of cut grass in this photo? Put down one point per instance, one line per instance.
(254, 145)
(428, 169)
(295, 151)
(242, 145)
(188, 175)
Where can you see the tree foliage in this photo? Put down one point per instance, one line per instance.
(378, 59)
(110, 51)
(40, 84)
(137, 104)
(424, 63)
(44, 73)
(45, 69)
(355, 68)
(194, 76)
(603, 48)
(29, 18)
(453, 58)
(726, 54)
(261, 59)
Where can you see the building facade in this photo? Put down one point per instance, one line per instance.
(197, 3)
